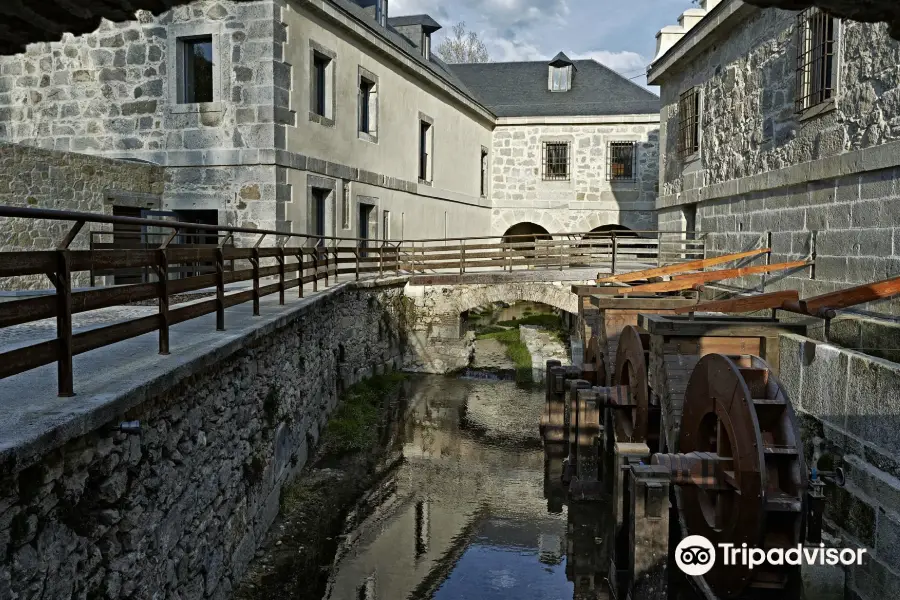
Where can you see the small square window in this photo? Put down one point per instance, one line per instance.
(816, 58)
(689, 123)
(368, 107)
(556, 161)
(622, 161)
(197, 70)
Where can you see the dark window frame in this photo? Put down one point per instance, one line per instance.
(320, 213)
(425, 128)
(189, 91)
(484, 172)
(621, 164)
(366, 89)
(557, 161)
(320, 84)
(816, 58)
(689, 123)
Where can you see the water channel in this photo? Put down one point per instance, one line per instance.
(464, 516)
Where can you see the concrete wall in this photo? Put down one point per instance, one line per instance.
(848, 406)
(179, 511)
(825, 184)
(588, 200)
(33, 177)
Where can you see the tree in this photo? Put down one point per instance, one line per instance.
(463, 47)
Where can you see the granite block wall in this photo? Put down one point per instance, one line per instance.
(38, 178)
(589, 199)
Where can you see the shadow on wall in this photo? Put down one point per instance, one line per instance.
(525, 232)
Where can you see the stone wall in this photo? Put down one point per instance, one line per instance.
(113, 92)
(848, 405)
(589, 199)
(32, 177)
(178, 511)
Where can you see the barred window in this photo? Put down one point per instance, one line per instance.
(815, 58)
(622, 161)
(689, 122)
(556, 161)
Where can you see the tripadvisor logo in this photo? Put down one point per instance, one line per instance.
(696, 555)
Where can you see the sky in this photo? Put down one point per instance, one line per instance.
(621, 34)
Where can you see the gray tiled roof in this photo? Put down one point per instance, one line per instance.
(519, 89)
(425, 21)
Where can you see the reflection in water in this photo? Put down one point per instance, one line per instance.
(465, 515)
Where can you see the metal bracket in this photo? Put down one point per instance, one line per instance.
(226, 239)
(169, 239)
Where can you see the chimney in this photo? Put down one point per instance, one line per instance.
(667, 37)
(708, 5)
(691, 17)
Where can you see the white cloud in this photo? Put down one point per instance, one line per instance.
(504, 50)
(625, 62)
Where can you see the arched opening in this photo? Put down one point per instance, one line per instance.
(600, 240)
(525, 232)
(607, 231)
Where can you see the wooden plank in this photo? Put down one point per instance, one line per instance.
(742, 305)
(689, 281)
(643, 304)
(104, 336)
(853, 296)
(192, 311)
(27, 263)
(24, 359)
(681, 268)
(85, 260)
(27, 310)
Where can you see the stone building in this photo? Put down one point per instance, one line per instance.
(333, 118)
(575, 146)
(783, 127)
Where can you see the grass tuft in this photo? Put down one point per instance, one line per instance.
(354, 425)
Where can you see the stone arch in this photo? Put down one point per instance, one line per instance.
(526, 228)
(606, 230)
(558, 296)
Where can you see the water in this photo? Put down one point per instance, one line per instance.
(465, 516)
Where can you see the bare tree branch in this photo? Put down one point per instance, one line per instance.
(463, 47)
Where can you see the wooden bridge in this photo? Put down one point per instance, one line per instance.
(159, 266)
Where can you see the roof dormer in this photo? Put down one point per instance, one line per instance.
(562, 70)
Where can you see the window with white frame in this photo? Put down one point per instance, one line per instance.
(560, 79)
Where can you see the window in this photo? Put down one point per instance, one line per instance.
(556, 161)
(484, 171)
(689, 212)
(689, 123)
(381, 11)
(386, 224)
(320, 91)
(560, 79)
(345, 208)
(622, 161)
(426, 140)
(815, 58)
(197, 70)
(319, 200)
(368, 108)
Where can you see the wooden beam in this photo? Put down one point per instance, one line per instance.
(853, 296)
(742, 305)
(689, 281)
(695, 265)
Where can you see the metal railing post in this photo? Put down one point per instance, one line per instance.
(220, 289)
(281, 274)
(381, 260)
(315, 257)
(162, 273)
(462, 256)
(63, 284)
(614, 252)
(300, 268)
(356, 254)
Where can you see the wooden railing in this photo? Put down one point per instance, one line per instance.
(293, 261)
